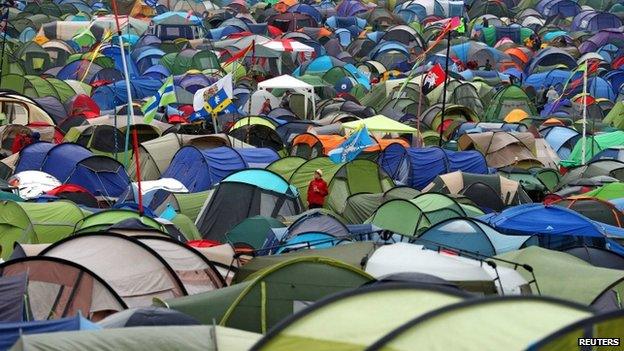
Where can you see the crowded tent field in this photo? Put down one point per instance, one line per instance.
(312, 175)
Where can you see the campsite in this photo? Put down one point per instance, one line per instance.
(284, 175)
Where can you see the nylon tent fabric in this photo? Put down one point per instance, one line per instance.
(607, 192)
(62, 159)
(82, 291)
(36, 223)
(252, 231)
(102, 220)
(199, 169)
(357, 318)
(11, 332)
(380, 123)
(359, 207)
(192, 338)
(133, 270)
(557, 274)
(101, 176)
(32, 157)
(486, 317)
(243, 194)
(594, 144)
(229, 306)
(13, 290)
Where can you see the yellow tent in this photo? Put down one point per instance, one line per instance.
(515, 116)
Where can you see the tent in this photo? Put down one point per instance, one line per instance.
(264, 295)
(103, 220)
(292, 83)
(132, 269)
(342, 179)
(502, 149)
(469, 274)
(359, 207)
(252, 231)
(607, 192)
(243, 194)
(36, 223)
(101, 176)
(482, 317)
(594, 144)
(380, 124)
(11, 332)
(82, 291)
(412, 217)
(552, 269)
(417, 167)
(356, 318)
(469, 235)
(199, 169)
(487, 191)
(595, 209)
(507, 99)
(191, 338)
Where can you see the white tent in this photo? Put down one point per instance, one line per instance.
(294, 84)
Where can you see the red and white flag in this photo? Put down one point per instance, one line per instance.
(434, 77)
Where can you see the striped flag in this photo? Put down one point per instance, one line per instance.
(164, 96)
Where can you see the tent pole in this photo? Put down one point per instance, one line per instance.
(5, 21)
(584, 138)
(130, 106)
(446, 69)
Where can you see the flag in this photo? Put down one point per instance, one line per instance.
(151, 3)
(347, 151)
(164, 96)
(434, 77)
(238, 55)
(214, 99)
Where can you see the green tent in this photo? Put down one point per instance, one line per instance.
(359, 207)
(380, 124)
(606, 325)
(36, 223)
(188, 204)
(186, 226)
(253, 231)
(187, 338)
(615, 117)
(267, 297)
(343, 179)
(412, 217)
(504, 101)
(607, 192)
(102, 220)
(558, 274)
(357, 318)
(594, 144)
(353, 254)
(501, 323)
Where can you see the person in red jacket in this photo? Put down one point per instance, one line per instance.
(317, 190)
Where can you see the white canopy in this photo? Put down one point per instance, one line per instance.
(291, 83)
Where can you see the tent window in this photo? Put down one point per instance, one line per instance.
(172, 31)
(16, 113)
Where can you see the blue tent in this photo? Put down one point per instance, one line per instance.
(417, 167)
(563, 8)
(199, 169)
(62, 159)
(32, 156)
(612, 153)
(556, 227)
(114, 52)
(471, 235)
(101, 175)
(546, 79)
(561, 140)
(263, 179)
(10, 332)
(549, 57)
(115, 94)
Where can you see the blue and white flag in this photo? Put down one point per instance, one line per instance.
(164, 96)
(151, 3)
(215, 99)
(351, 148)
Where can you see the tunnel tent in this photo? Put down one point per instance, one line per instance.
(309, 279)
(125, 260)
(101, 175)
(359, 207)
(199, 170)
(414, 216)
(196, 272)
(552, 267)
(61, 160)
(483, 317)
(36, 223)
(417, 167)
(471, 235)
(243, 194)
(102, 220)
(88, 294)
(356, 318)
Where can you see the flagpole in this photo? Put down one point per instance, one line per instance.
(446, 69)
(584, 139)
(130, 106)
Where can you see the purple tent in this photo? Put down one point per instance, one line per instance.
(613, 36)
(349, 8)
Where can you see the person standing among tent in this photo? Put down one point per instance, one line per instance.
(552, 95)
(317, 190)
